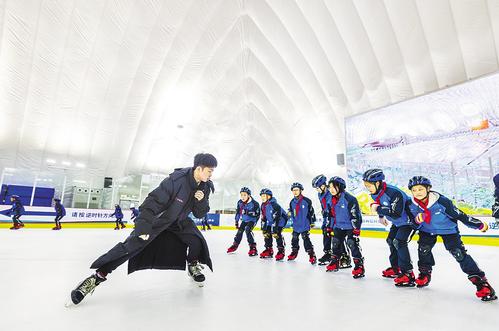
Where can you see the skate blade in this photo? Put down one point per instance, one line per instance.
(421, 286)
(357, 276)
(491, 298)
(336, 270)
(405, 285)
(69, 303)
(346, 267)
(323, 263)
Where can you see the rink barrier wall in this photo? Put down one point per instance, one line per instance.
(43, 218)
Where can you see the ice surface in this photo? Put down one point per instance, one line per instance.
(39, 268)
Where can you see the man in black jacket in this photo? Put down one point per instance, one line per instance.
(163, 231)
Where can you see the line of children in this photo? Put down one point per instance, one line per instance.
(274, 219)
(428, 212)
(119, 217)
(248, 212)
(345, 222)
(60, 212)
(16, 211)
(303, 217)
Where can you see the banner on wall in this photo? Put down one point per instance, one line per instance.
(73, 215)
(78, 215)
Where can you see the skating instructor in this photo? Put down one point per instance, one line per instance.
(164, 236)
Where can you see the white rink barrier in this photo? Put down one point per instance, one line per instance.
(73, 215)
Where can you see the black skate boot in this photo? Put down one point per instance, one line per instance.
(85, 287)
(194, 271)
(483, 289)
(325, 259)
(345, 261)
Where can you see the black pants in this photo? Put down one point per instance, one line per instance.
(306, 241)
(269, 234)
(326, 239)
(397, 240)
(204, 223)
(352, 242)
(119, 221)
(245, 227)
(453, 244)
(57, 219)
(133, 244)
(16, 219)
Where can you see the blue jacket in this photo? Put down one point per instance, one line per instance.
(347, 215)
(325, 200)
(393, 206)
(17, 208)
(273, 215)
(248, 212)
(444, 216)
(117, 213)
(135, 212)
(59, 209)
(302, 213)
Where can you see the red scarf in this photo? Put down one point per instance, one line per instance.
(298, 204)
(380, 194)
(426, 211)
(334, 202)
(264, 209)
(323, 202)
(242, 207)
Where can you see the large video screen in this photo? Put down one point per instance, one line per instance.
(450, 136)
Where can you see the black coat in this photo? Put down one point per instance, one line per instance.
(170, 203)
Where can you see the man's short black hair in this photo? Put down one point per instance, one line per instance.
(205, 160)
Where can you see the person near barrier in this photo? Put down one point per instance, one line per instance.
(60, 212)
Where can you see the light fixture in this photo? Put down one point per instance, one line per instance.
(50, 161)
(66, 163)
(80, 165)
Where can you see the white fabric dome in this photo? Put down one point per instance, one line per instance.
(140, 86)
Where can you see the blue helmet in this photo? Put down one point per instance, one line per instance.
(296, 185)
(418, 180)
(373, 175)
(245, 190)
(57, 199)
(266, 191)
(338, 181)
(318, 181)
(15, 197)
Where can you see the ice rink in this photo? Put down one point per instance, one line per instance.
(40, 267)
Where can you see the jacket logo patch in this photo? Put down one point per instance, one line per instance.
(179, 200)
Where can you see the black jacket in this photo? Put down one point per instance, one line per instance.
(170, 204)
(173, 200)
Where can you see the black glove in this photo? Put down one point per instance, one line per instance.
(143, 226)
